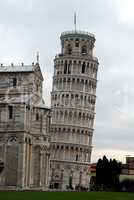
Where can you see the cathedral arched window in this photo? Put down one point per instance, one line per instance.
(41, 123)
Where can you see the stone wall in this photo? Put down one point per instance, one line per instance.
(24, 129)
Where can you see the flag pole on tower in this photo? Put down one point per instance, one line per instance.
(75, 21)
(37, 56)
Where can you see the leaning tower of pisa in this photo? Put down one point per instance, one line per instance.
(73, 109)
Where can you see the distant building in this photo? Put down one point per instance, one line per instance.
(24, 128)
(128, 169)
(93, 169)
(93, 176)
(73, 100)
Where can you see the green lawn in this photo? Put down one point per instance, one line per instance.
(66, 196)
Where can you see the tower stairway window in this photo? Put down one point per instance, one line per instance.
(77, 43)
(84, 50)
(69, 49)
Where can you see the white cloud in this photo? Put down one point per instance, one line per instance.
(125, 9)
(120, 155)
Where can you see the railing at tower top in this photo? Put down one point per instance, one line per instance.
(78, 32)
(71, 56)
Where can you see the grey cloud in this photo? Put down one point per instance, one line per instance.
(36, 25)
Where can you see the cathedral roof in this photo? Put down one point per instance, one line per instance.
(22, 68)
(17, 68)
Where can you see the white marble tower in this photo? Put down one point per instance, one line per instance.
(73, 109)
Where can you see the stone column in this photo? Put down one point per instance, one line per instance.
(69, 149)
(25, 161)
(27, 167)
(30, 165)
(47, 169)
(21, 165)
(62, 176)
(41, 159)
(84, 86)
(5, 152)
(64, 153)
(80, 179)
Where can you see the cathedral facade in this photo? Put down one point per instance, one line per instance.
(24, 128)
(73, 109)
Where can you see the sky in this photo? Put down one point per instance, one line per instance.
(35, 25)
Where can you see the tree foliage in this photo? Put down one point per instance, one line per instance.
(107, 173)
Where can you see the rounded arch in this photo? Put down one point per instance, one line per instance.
(84, 50)
(69, 49)
(83, 68)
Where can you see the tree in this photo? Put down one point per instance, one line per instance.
(107, 173)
